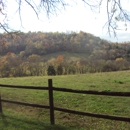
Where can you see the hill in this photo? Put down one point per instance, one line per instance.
(29, 54)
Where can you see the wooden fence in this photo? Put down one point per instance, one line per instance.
(52, 108)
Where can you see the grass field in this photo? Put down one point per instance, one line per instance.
(66, 55)
(16, 117)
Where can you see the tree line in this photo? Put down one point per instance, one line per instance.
(22, 54)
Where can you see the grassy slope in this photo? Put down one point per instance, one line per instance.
(66, 55)
(113, 81)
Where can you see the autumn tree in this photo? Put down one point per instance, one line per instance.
(4, 67)
(59, 61)
(3, 46)
(34, 65)
(59, 70)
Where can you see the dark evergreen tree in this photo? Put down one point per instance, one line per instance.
(51, 70)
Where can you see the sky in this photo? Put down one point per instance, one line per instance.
(76, 17)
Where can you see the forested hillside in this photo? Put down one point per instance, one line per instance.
(26, 54)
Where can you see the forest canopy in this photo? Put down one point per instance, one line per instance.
(34, 54)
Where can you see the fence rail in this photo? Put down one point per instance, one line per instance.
(24, 87)
(119, 118)
(26, 104)
(52, 108)
(105, 93)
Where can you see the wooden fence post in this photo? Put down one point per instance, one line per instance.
(52, 120)
(0, 104)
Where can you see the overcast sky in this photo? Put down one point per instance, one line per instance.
(75, 18)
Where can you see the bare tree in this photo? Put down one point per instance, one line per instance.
(115, 10)
(116, 13)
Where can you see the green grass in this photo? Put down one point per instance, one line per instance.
(37, 119)
(67, 55)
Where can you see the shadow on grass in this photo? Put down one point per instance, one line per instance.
(19, 123)
(3, 119)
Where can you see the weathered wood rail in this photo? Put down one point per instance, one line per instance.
(52, 108)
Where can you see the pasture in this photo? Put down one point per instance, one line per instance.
(18, 117)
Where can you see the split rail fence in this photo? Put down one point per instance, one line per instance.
(52, 108)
